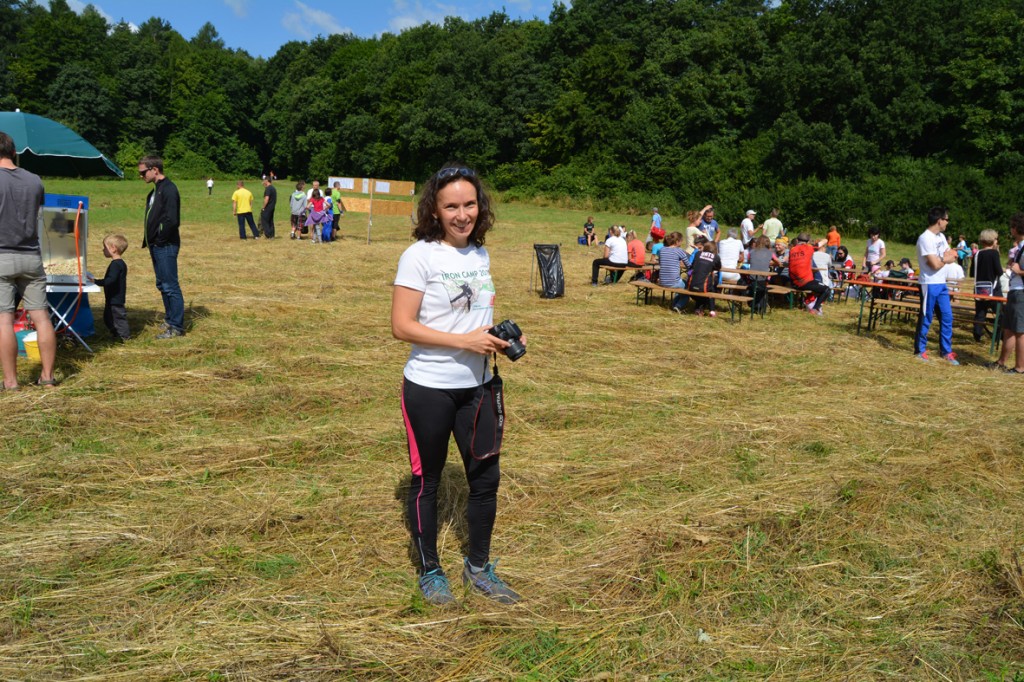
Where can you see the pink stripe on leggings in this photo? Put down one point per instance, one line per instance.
(414, 459)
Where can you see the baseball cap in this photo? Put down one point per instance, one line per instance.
(751, 212)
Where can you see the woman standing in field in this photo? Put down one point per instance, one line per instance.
(443, 304)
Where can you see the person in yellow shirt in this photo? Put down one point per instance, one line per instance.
(241, 206)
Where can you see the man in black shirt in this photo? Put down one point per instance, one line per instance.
(163, 218)
(269, 204)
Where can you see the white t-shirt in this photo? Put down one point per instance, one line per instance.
(729, 251)
(931, 243)
(209, 183)
(458, 297)
(821, 262)
(874, 252)
(747, 230)
(953, 271)
(617, 251)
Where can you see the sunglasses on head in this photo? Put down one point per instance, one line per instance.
(446, 173)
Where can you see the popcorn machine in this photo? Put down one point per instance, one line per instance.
(63, 235)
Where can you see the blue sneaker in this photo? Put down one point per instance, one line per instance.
(487, 583)
(435, 588)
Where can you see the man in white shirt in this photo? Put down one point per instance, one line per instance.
(747, 229)
(309, 192)
(730, 250)
(933, 253)
(1013, 315)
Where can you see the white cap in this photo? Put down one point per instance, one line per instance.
(751, 211)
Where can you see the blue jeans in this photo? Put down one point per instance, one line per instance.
(832, 251)
(244, 218)
(165, 267)
(679, 301)
(932, 296)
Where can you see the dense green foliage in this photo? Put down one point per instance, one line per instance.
(835, 110)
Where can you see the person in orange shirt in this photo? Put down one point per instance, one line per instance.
(833, 242)
(637, 252)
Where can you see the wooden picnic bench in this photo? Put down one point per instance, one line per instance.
(883, 308)
(615, 271)
(645, 291)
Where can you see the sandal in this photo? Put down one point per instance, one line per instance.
(995, 365)
(1012, 370)
(46, 382)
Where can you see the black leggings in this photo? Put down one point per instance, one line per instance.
(432, 415)
(598, 264)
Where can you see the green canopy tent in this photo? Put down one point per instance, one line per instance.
(48, 148)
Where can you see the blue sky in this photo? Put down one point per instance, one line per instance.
(260, 27)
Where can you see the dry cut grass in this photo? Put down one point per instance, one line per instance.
(682, 498)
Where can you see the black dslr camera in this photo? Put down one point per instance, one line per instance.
(510, 331)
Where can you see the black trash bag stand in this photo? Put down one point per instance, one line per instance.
(549, 266)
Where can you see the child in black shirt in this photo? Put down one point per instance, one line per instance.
(114, 284)
(703, 277)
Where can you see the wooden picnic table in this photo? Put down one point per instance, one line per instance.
(916, 308)
(754, 273)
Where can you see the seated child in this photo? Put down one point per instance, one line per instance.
(884, 272)
(114, 284)
(588, 231)
(906, 268)
(706, 263)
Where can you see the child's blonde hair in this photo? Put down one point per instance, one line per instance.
(987, 238)
(118, 241)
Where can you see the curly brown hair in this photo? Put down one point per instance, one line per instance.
(429, 228)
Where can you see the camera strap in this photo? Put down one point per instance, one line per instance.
(489, 417)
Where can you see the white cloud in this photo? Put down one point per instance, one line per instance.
(78, 7)
(308, 23)
(408, 14)
(239, 7)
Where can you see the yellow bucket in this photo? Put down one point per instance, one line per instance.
(32, 347)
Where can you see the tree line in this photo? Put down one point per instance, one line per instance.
(855, 112)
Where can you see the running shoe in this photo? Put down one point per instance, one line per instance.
(486, 582)
(951, 359)
(435, 588)
(923, 356)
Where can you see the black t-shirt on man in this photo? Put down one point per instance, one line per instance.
(270, 192)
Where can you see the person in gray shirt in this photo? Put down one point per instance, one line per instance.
(21, 266)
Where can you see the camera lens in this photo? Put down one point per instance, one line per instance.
(515, 350)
